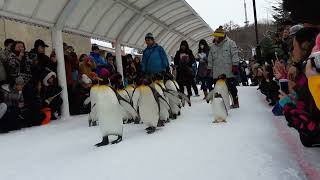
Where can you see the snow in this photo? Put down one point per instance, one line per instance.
(248, 147)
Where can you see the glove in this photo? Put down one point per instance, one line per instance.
(235, 70)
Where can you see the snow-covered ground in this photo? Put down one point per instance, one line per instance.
(251, 146)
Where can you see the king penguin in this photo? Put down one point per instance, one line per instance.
(125, 95)
(145, 99)
(159, 86)
(219, 109)
(110, 114)
(222, 89)
(176, 98)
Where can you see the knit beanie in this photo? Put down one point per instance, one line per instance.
(219, 32)
(104, 73)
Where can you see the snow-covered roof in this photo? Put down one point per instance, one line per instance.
(124, 21)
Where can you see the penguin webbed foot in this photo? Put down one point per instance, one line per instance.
(174, 116)
(137, 121)
(150, 130)
(104, 142)
(117, 140)
(161, 123)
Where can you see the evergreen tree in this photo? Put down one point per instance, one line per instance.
(279, 14)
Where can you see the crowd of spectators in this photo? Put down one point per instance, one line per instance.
(288, 76)
(30, 94)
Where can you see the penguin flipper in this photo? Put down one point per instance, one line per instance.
(164, 103)
(172, 98)
(210, 96)
(135, 98)
(185, 98)
(128, 107)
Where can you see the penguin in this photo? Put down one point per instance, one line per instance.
(176, 98)
(146, 99)
(222, 89)
(159, 86)
(110, 114)
(93, 119)
(219, 109)
(125, 95)
(163, 103)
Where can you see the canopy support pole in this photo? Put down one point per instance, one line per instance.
(57, 42)
(119, 58)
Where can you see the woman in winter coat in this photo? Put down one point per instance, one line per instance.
(204, 75)
(300, 110)
(183, 61)
(137, 65)
(111, 63)
(18, 63)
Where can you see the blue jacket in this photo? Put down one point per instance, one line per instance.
(154, 60)
(98, 59)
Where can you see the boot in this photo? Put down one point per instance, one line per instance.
(235, 103)
(205, 95)
(104, 142)
(117, 140)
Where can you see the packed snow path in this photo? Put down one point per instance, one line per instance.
(252, 145)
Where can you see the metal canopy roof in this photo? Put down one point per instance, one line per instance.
(123, 21)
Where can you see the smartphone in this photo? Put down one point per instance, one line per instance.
(284, 86)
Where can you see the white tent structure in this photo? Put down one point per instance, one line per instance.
(124, 22)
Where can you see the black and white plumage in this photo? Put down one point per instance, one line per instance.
(110, 114)
(147, 102)
(220, 101)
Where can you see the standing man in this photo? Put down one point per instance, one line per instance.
(224, 60)
(154, 59)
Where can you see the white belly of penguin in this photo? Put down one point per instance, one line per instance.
(125, 95)
(219, 109)
(164, 113)
(148, 108)
(223, 90)
(93, 98)
(109, 113)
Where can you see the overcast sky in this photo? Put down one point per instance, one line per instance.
(218, 12)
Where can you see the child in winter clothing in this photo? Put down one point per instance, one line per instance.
(36, 110)
(51, 89)
(15, 103)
